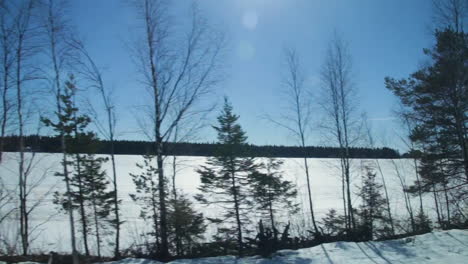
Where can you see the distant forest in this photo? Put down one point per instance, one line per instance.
(128, 147)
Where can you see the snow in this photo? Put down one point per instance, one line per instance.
(53, 232)
(436, 247)
(432, 248)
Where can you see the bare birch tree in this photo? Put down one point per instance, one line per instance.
(409, 144)
(178, 74)
(7, 60)
(297, 117)
(6, 202)
(24, 48)
(339, 106)
(89, 70)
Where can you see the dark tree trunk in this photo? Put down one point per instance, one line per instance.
(238, 220)
(162, 200)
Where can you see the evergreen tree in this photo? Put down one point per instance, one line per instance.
(76, 146)
(271, 192)
(373, 222)
(97, 196)
(185, 224)
(67, 122)
(88, 183)
(147, 196)
(436, 98)
(334, 224)
(225, 179)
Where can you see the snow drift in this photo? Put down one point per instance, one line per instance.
(436, 247)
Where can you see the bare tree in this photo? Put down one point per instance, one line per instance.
(450, 13)
(406, 196)
(409, 144)
(87, 68)
(297, 117)
(6, 202)
(24, 49)
(371, 142)
(57, 31)
(7, 60)
(339, 106)
(178, 74)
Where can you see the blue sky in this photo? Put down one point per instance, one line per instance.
(385, 38)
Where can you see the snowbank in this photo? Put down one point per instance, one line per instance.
(436, 247)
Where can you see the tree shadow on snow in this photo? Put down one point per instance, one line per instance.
(461, 242)
(377, 251)
(365, 253)
(341, 245)
(397, 246)
(289, 257)
(326, 254)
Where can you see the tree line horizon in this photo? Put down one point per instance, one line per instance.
(51, 144)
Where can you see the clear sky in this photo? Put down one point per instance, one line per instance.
(385, 38)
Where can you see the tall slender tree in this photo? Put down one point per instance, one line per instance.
(56, 49)
(65, 124)
(371, 143)
(90, 71)
(23, 49)
(147, 196)
(7, 61)
(177, 74)
(339, 106)
(225, 179)
(298, 117)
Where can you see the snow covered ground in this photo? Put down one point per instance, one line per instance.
(433, 248)
(52, 232)
(436, 247)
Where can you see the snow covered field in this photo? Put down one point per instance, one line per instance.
(433, 248)
(52, 232)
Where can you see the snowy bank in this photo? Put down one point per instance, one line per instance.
(436, 247)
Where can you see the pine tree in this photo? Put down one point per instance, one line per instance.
(66, 123)
(88, 183)
(78, 145)
(225, 178)
(271, 192)
(147, 196)
(334, 224)
(436, 98)
(98, 197)
(372, 211)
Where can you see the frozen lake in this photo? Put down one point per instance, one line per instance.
(53, 230)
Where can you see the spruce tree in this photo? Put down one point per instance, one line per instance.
(98, 198)
(225, 179)
(271, 192)
(186, 225)
(66, 123)
(374, 221)
(334, 224)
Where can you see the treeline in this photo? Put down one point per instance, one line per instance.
(129, 147)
